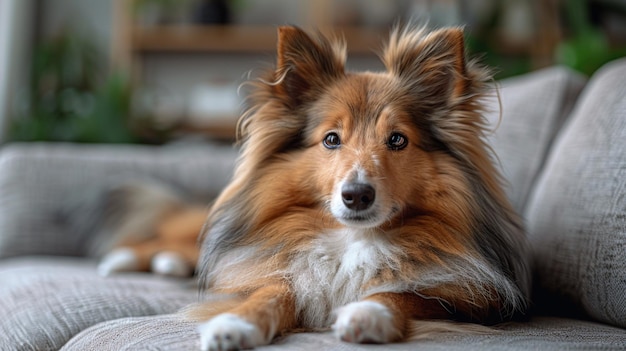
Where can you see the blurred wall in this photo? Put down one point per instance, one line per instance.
(16, 37)
(90, 18)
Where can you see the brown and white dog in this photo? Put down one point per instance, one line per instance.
(362, 201)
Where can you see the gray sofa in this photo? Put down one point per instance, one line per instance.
(561, 144)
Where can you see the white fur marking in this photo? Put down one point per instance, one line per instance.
(365, 321)
(361, 174)
(118, 260)
(340, 263)
(229, 332)
(171, 264)
(359, 254)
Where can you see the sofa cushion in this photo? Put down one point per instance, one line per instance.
(172, 333)
(534, 107)
(45, 301)
(49, 190)
(51, 303)
(577, 213)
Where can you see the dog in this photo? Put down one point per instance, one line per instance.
(364, 202)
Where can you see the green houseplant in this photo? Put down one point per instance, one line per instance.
(72, 98)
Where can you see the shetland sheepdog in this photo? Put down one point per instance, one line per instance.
(363, 202)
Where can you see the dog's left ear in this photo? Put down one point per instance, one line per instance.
(306, 65)
(432, 63)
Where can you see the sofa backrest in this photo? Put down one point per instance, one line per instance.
(576, 213)
(47, 190)
(530, 111)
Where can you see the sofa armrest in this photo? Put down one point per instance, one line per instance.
(43, 184)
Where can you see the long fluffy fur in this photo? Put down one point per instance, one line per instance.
(448, 244)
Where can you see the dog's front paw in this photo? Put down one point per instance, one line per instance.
(229, 332)
(171, 264)
(118, 260)
(366, 322)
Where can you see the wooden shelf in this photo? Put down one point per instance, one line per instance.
(134, 42)
(235, 39)
(208, 39)
(221, 131)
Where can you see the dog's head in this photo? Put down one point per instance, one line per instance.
(376, 143)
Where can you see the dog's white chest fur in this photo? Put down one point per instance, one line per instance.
(334, 271)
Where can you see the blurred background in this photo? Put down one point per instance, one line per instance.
(153, 71)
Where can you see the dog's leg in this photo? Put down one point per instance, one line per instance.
(173, 250)
(156, 255)
(179, 236)
(255, 322)
(384, 317)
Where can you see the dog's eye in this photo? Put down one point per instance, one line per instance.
(332, 141)
(397, 141)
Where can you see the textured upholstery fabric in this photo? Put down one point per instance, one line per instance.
(45, 301)
(172, 333)
(577, 215)
(52, 303)
(45, 187)
(534, 107)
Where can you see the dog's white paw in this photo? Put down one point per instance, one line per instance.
(118, 260)
(365, 322)
(229, 332)
(171, 264)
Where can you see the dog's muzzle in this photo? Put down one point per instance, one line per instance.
(358, 196)
(355, 203)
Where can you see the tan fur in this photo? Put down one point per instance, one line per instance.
(177, 231)
(151, 227)
(440, 240)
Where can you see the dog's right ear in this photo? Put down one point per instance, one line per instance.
(306, 65)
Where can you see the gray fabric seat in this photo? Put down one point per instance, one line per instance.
(71, 308)
(561, 144)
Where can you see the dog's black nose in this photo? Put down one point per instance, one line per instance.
(358, 196)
